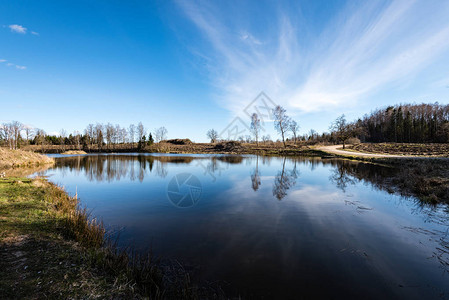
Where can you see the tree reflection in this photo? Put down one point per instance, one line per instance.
(341, 178)
(346, 172)
(284, 180)
(255, 176)
(161, 169)
(115, 167)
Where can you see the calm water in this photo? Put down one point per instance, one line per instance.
(270, 227)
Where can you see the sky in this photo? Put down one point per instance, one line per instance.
(195, 65)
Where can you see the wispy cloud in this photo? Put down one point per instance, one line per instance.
(9, 64)
(20, 29)
(17, 28)
(360, 51)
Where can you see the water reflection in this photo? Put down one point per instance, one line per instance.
(341, 178)
(111, 168)
(255, 176)
(335, 222)
(284, 180)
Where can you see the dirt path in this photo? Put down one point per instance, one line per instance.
(333, 149)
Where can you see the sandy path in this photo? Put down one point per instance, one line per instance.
(333, 149)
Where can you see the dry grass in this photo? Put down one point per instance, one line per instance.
(185, 146)
(74, 152)
(403, 149)
(422, 177)
(52, 248)
(18, 158)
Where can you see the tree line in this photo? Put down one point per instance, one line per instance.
(282, 123)
(406, 123)
(101, 136)
(402, 123)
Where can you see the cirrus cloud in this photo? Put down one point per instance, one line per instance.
(311, 64)
(9, 64)
(17, 28)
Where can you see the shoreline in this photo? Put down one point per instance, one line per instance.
(36, 214)
(51, 247)
(393, 150)
(423, 177)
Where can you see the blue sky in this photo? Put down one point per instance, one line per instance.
(192, 65)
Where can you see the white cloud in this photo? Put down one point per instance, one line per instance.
(18, 28)
(35, 33)
(13, 65)
(363, 49)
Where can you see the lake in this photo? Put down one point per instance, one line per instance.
(269, 227)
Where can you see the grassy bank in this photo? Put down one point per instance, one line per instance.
(182, 147)
(403, 149)
(427, 179)
(17, 158)
(74, 152)
(50, 248)
(424, 178)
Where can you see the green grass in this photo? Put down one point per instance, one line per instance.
(50, 248)
(38, 257)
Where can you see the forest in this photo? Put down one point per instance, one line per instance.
(406, 123)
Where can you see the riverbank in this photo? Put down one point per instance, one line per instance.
(403, 149)
(230, 147)
(424, 177)
(10, 159)
(421, 168)
(50, 248)
(185, 146)
(74, 152)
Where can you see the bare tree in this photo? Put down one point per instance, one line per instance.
(140, 131)
(98, 135)
(160, 134)
(281, 121)
(90, 132)
(255, 127)
(342, 129)
(109, 134)
(212, 135)
(62, 136)
(40, 138)
(29, 133)
(11, 133)
(123, 135)
(77, 138)
(294, 128)
(132, 132)
(5, 134)
(266, 138)
(312, 134)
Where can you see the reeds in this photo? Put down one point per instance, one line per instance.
(141, 271)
